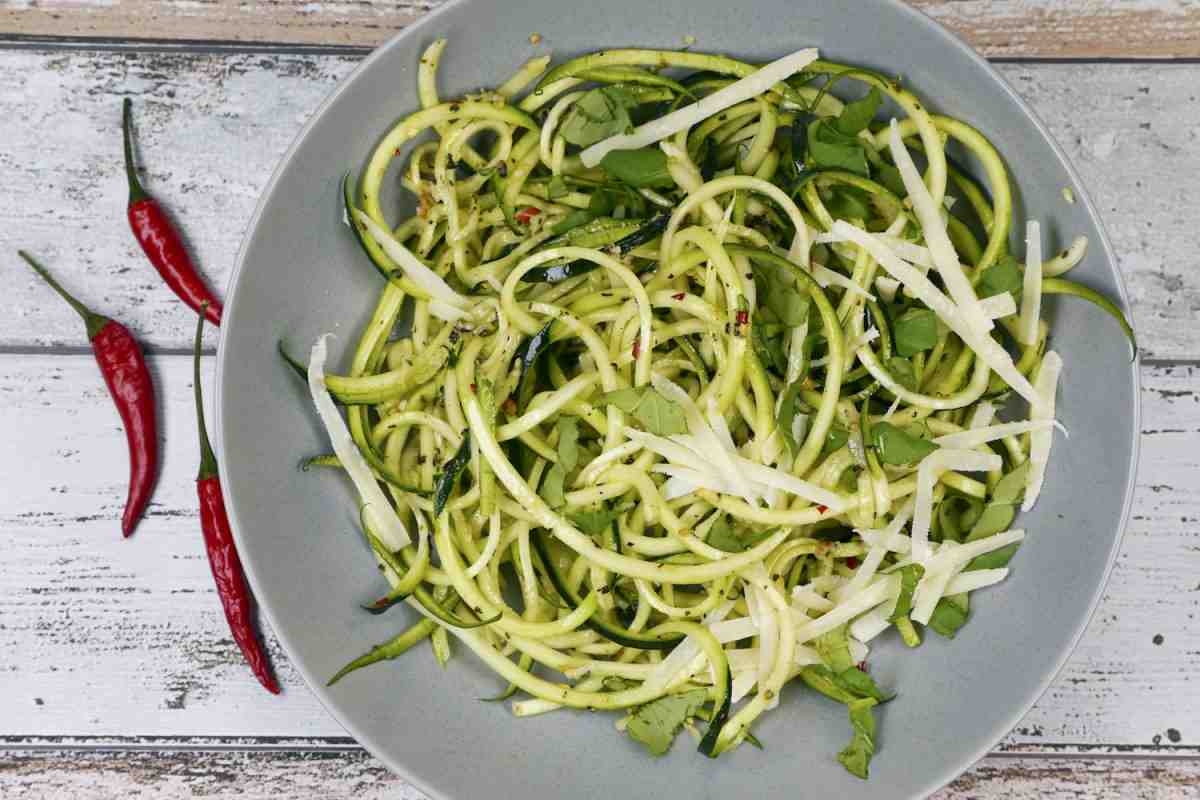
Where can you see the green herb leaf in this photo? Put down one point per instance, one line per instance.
(625, 399)
(793, 424)
(896, 446)
(858, 115)
(594, 522)
(767, 340)
(835, 440)
(834, 649)
(657, 414)
(848, 202)
(724, 535)
(656, 723)
(1011, 488)
(856, 757)
(1003, 276)
(910, 576)
(829, 148)
(551, 489)
(947, 618)
(556, 187)
(448, 478)
(645, 168)
(889, 177)
(599, 114)
(859, 683)
(777, 288)
(902, 370)
(998, 516)
(915, 331)
(823, 679)
(568, 442)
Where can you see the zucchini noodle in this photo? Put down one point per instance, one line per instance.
(678, 425)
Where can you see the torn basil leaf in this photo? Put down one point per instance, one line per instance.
(915, 331)
(896, 446)
(598, 114)
(656, 723)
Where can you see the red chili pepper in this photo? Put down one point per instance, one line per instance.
(637, 347)
(527, 213)
(124, 370)
(222, 552)
(161, 242)
(852, 562)
(680, 295)
(821, 507)
(743, 317)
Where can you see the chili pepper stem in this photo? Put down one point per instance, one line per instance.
(136, 192)
(208, 461)
(92, 320)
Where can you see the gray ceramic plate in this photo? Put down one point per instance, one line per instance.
(300, 274)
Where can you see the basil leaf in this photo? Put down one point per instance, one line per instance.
(859, 683)
(997, 517)
(656, 723)
(947, 618)
(896, 446)
(1011, 488)
(723, 535)
(568, 442)
(793, 424)
(556, 188)
(594, 522)
(889, 177)
(602, 203)
(659, 415)
(858, 115)
(835, 440)
(767, 340)
(848, 202)
(902, 370)
(915, 331)
(856, 757)
(1003, 276)
(576, 219)
(551, 489)
(599, 114)
(625, 399)
(645, 168)
(822, 679)
(834, 649)
(910, 576)
(777, 289)
(829, 148)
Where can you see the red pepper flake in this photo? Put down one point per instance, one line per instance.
(525, 214)
(679, 296)
(743, 317)
(821, 507)
(637, 347)
(472, 388)
(862, 665)
(852, 562)
(510, 407)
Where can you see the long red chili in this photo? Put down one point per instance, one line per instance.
(159, 239)
(222, 553)
(124, 370)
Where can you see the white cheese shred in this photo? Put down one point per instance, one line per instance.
(928, 473)
(1031, 287)
(380, 512)
(737, 92)
(1040, 441)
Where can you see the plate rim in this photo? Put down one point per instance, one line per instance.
(940, 778)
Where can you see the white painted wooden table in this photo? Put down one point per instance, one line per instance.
(117, 674)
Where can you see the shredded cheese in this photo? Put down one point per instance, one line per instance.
(377, 507)
(928, 473)
(737, 92)
(999, 306)
(1040, 441)
(1031, 286)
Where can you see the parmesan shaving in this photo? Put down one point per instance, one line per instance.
(999, 306)
(376, 507)
(1040, 441)
(928, 473)
(978, 436)
(975, 579)
(751, 86)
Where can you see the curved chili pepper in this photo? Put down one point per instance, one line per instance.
(160, 241)
(222, 552)
(124, 369)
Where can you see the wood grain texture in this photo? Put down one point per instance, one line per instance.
(335, 774)
(998, 28)
(135, 628)
(210, 142)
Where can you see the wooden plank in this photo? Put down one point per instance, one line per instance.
(134, 626)
(998, 28)
(1129, 128)
(259, 775)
